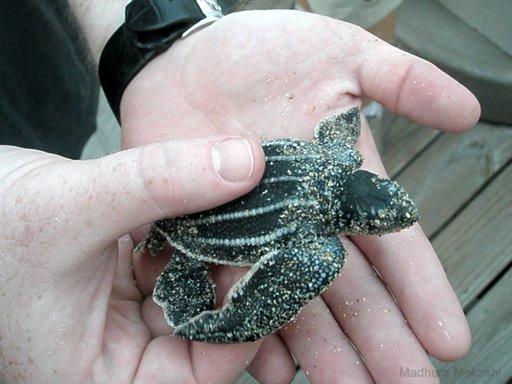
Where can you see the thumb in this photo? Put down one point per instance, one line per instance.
(129, 189)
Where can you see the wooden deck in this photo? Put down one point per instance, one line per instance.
(462, 186)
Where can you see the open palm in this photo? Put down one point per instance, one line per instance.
(76, 308)
(275, 74)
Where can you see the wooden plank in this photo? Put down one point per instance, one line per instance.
(107, 138)
(246, 379)
(472, 259)
(450, 171)
(477, 245)
(428, 29)
(491, 353)
(300, 378)
(399, 140)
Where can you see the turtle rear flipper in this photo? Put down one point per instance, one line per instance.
(154, 242)
(184, 289)
(272, 292)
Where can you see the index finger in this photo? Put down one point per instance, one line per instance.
(413, 87)
(409, 266)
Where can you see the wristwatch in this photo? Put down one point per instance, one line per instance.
(150, 28)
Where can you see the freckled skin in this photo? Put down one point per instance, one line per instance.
(285, 229)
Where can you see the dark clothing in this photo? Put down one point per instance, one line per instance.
(48, 91)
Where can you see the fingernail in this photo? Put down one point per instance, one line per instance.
(233, 160)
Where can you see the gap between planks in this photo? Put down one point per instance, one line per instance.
(446, 176)
(477, 245)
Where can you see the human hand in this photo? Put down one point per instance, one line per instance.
(70, 307)
(276, 74)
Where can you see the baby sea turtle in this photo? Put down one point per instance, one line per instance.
(285, 229)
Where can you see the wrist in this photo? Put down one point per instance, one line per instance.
(151, 28)
(99, 19)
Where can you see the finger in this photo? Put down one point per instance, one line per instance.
(165, 361)
(370, 317)
(173, 360)
(147, 268)
(123, 285)
(273, 363)
(413, 87)
(139, 234)
(122, 342)
(410, 268)
(153, 317)
(321, 347)
(213, 363)
(127, 190)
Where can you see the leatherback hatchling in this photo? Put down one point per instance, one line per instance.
(284, 229)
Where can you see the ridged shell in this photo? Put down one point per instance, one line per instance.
(244, 230)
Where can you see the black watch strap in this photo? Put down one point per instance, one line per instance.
(151, 27)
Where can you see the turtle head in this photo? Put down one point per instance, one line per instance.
(370, 204)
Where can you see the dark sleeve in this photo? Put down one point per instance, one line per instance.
(229, 6)
(48, 88)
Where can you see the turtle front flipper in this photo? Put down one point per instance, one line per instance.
(184, 289)
(343, 128)
(338, 135)
(271, 293)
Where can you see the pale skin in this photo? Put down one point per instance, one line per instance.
(77, 304)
